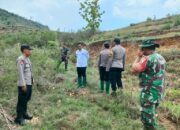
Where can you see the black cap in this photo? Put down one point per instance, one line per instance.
(25, 46)
(106, 44)
(117, 40)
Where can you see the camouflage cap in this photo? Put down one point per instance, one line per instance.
(149, 43)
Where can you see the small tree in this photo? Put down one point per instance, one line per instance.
(149, 19)
(90, 12)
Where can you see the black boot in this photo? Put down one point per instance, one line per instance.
(27, 117)
(19, 120)
(114, 94)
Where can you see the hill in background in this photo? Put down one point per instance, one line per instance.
(12, 21)
(150, 29)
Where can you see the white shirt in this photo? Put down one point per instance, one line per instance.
(82, 57)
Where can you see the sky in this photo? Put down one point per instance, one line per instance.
(63, 14)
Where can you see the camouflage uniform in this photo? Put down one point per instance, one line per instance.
(152, 84)
(63, 57)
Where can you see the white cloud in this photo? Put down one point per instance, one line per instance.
(134, 9)
(172, 4)
(54, 13)
(141, 9)
(63, 14)
(140, 3)
(45, 4)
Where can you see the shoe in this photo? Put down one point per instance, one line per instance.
(120, 87)
(27, 117)
(114, 94)
(19, 121)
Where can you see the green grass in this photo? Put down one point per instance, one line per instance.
(60, 105)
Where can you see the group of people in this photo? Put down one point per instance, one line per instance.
(149, 65)
(111, 64)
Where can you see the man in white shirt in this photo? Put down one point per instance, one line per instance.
(82, 57)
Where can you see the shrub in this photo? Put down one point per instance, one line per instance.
(149, 19)
(70, 38)
(132, 24)
(177, 22)
(167, 26)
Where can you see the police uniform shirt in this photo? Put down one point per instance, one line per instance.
(24, 68)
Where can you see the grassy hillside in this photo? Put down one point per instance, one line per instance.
(57, 104)
(150, 29)
(12, 21)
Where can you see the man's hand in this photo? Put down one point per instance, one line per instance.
(33, 81)
(24, 88)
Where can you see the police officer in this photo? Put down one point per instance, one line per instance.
(117, 66)
(104, 59)
(64, 56)
(25, 82)
(151, 69)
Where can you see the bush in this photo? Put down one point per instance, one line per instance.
(132, 24)
(71, 38)
(177, 22)
(34, 38)
(149, 19)
(167, 26)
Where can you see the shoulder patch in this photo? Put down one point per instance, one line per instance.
(21, 62)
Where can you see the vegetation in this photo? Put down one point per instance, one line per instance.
(90, 12)
(156, 29)
(74, 37)
(58, 104)
(35, 38)
(12, 20)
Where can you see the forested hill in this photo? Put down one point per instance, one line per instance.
(11, 20)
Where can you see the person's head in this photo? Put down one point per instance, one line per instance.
(106, 45)
(80, 46)
(26, 50)
(117, 41)
(64, 46)
(148, 47)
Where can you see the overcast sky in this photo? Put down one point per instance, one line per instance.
(63, 14)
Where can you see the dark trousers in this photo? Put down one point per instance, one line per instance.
(104, 75)
(81, 71)
(23, 98)
(65, 60)
(115, 78)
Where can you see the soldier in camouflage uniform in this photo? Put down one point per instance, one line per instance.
(151, 68)
(64, 56)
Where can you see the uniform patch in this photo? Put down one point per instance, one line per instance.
(21, 62)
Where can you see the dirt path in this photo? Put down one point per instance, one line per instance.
(167, 123)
